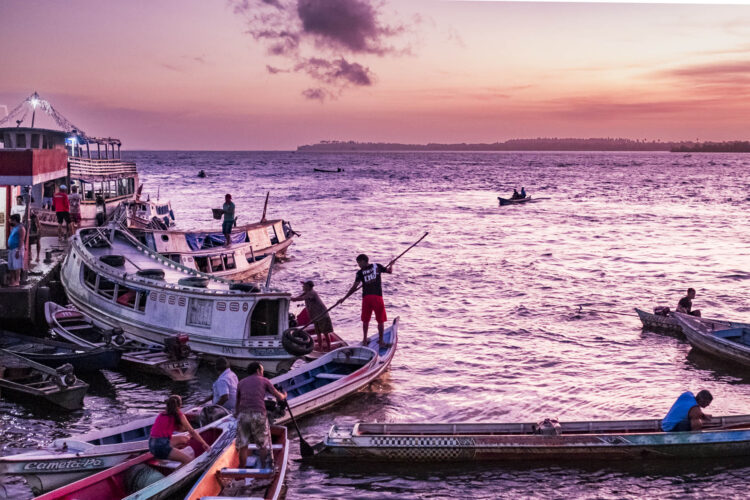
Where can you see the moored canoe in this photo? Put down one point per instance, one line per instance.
(730, 341)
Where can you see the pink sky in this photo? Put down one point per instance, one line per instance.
(201, 74)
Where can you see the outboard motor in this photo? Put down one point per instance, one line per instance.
(548, 427)
(177, 347)
(661, 311)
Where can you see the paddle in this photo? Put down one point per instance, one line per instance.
(580, 309)
(341, 301)
(304, 448)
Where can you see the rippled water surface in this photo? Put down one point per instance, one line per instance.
(488, 303)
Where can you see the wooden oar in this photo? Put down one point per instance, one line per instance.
(580, 310)
(341, 301)
(304, 448)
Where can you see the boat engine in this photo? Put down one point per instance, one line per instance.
(548, 427)
(661, 311)
(65, 376)
(177, 347)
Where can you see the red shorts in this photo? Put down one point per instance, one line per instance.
(370, 304)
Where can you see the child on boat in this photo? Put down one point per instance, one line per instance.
(161, 443)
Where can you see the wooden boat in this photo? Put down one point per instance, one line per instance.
(600, 440)
(110, 276)
(328, 171)
(55, 354)
(508, 201)
(226, 479)
(69, 459)
(246, 257)
(69, 323)
(334, 376)
(133, 478)
(722, 339)
(318, 350)
(669, 322)
(30, 381)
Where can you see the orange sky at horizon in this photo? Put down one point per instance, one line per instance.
(187, 75)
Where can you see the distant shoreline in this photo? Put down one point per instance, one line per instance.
(519, 145)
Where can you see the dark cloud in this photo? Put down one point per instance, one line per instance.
(273, 70)
(320, 37)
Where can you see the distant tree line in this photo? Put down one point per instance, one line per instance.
(538, 144)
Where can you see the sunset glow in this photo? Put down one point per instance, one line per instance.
(206, 75)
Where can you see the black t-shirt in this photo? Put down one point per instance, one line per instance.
(686, 303)
(370, 279)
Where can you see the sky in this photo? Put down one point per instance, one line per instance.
(276, 74)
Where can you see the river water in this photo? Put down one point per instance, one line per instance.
(490, 327)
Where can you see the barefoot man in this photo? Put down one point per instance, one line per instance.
(372, 295)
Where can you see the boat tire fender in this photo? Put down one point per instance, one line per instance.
(297, 342)
(154, 274)
(245, 287)
(113, 260)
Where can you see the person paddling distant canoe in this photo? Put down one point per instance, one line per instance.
(686, 413)
(516, 195)
(685, 305)
(372, 295)
(523, 192)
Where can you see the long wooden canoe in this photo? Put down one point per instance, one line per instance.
(508, 201)
(600, 440)
(718, 338)
(226, 478)
(145, 477)
(670, 324)
(336, 375)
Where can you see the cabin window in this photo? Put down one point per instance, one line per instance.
(175, 257)
(89, 277)
(126, 296)
(131, 185)
(21, 141)
(264, 320)
(122, 187)
(87, 191)
(272, 235)
(201, 264)
(106, 288)
(112, 185)
(35, 141)
(216, 263)
(229, 261)
(45, 142)
(199, 312)
(141, 301)
(97, 186)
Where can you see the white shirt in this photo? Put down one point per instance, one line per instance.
(226, 384)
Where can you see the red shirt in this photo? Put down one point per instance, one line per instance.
(251, 394)
(61, 202)
(164, 425)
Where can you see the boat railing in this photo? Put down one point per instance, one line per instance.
(86, 167)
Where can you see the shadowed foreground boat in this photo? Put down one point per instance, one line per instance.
(146, 477)
(508, 201)
(730, 341)
(601, 440)
(226, 479)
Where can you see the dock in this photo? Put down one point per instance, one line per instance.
(25, 304)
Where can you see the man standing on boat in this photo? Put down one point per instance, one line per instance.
(250, 412)
(226, 226)
(316, 311)
(62, 210)
(372, 295)
(685, 305)
(687, 414)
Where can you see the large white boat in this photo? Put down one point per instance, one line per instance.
(112, 277)
(247, 256)
(70, 157)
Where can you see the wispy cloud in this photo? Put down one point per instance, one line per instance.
(320, 38)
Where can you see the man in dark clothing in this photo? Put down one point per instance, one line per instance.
(685, 305)
(250, 412)
(372, 295)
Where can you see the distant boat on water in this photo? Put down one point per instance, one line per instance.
(329, 171)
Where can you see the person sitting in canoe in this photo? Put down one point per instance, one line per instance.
(516, 195)
(685, 305)
(316, 310)
(161, 443)
(523, 193)
(687, 414)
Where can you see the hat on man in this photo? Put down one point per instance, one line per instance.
(63, 187)
(308, 283)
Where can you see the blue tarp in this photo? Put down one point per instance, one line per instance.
(201, 241)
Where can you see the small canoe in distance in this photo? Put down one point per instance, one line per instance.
(328, 171)
(591, 440)
(69, 459)
(72, 325)
(721, 339)
(29, 381)
(507, 201)
(226, 479)
(55, 354)
(145, 477)
(334, 376)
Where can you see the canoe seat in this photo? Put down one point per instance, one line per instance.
(252, 446)
(164, 464)
(240, 473)
(330, 376)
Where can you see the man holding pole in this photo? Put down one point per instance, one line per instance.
(372, 295)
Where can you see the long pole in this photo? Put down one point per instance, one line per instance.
(580, 310)
(341, 301)
(265, 206)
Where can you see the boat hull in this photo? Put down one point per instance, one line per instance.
(704, 335)
(507, 201)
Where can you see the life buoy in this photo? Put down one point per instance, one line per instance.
(113, 260)
(245, 287)
(154, 274)
(194, 281)
(297, 342)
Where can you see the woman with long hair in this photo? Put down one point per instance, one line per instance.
(161, 443)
